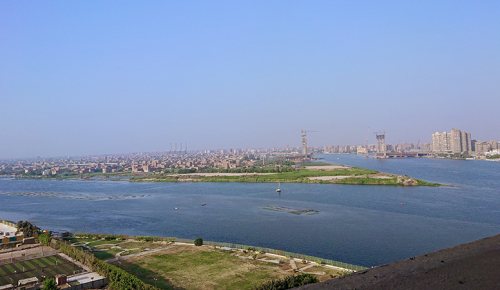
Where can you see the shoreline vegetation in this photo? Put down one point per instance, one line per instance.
(307, 172)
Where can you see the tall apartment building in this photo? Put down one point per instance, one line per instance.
(441, 142)
(455, 141)
(483, 147)
(466, 142)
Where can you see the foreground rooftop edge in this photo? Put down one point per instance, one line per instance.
(467, 266)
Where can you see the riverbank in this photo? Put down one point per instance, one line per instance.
(172, 263)
(312, 172)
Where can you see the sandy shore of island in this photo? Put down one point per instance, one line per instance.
(327, 167)
(340, 177)
(218, 174)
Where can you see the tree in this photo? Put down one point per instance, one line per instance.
(198, 242)
(44, 239)
(27, 228)
(49, 284)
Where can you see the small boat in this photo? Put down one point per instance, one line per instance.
(279, 187)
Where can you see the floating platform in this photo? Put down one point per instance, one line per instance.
(296, 211)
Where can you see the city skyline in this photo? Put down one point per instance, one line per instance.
(82, 78)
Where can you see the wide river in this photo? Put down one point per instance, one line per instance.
(365, 225)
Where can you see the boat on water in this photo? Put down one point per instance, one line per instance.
(279, 187)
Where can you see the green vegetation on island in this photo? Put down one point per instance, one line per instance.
(284, 172)
(308, 174)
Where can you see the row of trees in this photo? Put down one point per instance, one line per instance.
(118, 278)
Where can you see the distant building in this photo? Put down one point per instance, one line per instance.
(465, 142)
(455, 141)
(441, 142)
(495, 145)
(9, 235)
(482, 148)
(361, 150)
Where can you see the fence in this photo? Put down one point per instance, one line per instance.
(9, 223)
(281, 253)
(243, 247)
(23, 255)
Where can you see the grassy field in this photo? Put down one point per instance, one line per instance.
(173, 265)
(107, 249)
(298, 176)
(46, 266)
(189, 267)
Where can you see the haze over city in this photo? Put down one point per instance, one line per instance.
(284, 144)
(110, 77)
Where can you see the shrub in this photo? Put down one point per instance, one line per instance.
(198, 242)
(288, 282)
(27, 228)
(49, 284)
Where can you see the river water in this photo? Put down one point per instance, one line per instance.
(365, 225)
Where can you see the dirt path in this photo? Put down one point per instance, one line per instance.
(148, 252)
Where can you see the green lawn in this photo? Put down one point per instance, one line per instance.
(201, 268)
(105, 249)
(46, 266)
(93, 243)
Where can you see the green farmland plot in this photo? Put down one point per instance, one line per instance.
(40, 267)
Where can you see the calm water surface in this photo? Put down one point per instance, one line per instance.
(366, 225)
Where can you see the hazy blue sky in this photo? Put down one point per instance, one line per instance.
(81, 77)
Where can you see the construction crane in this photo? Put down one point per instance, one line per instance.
(303, 135)
(381, 147)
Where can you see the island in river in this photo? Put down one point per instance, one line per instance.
(319, 173)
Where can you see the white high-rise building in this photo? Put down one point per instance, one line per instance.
(455, 141)
(441, 142)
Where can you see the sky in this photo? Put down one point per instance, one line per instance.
(93, 77)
